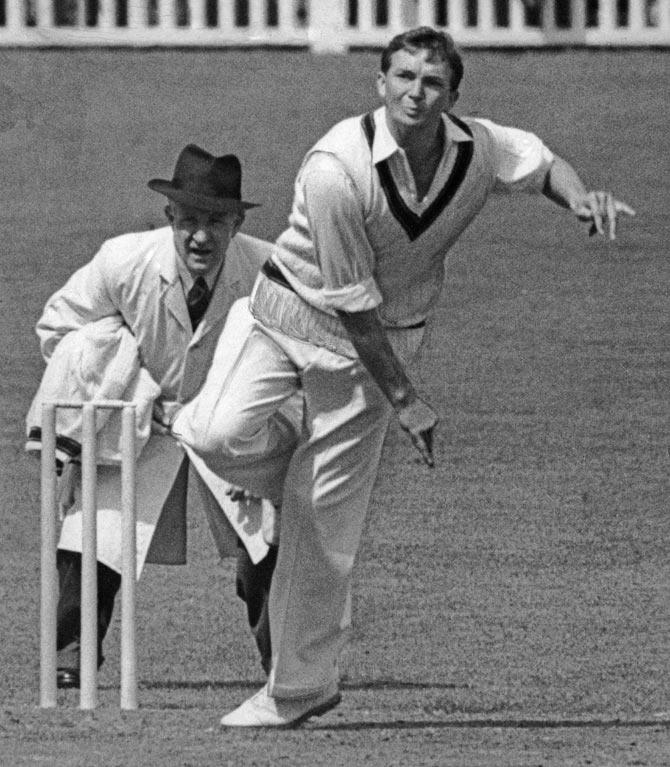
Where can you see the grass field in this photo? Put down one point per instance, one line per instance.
(512, 607)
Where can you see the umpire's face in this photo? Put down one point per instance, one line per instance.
(201, 237)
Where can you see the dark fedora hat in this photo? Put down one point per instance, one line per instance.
(205, 181)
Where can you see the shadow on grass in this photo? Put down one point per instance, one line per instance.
(418, 724)
(511, 724)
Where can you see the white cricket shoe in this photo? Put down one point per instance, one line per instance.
(263, 710)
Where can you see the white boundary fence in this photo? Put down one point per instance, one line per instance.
(331, 25)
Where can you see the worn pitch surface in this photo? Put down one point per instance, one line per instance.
(512, 605)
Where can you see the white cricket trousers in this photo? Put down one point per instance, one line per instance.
(326, 491)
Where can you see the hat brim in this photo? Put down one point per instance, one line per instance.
(205, 202)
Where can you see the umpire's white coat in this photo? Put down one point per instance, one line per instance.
(136, 276)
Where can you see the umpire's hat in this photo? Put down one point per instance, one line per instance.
(204, 181)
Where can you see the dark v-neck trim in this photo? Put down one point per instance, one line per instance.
(413, 224)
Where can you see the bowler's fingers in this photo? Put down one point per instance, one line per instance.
(596, 209)
(423, 442)
(419, 420)
(619, 207)
(601, 207)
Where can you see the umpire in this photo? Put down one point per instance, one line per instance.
(172, 288)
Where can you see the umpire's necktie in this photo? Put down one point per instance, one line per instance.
(197, 301)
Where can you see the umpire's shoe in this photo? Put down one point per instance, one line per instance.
(263, 710)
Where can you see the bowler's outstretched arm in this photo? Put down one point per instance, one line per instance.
(564, 187)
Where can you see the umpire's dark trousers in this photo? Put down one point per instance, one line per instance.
(253, 587)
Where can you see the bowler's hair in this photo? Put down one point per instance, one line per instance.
(439, 43)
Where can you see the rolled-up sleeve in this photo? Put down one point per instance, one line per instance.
(522, 158)
(335, 216)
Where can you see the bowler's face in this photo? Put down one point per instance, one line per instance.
(201, 237)
(416, 89)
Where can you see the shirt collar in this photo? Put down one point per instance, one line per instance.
(384, 145)
(187, 278)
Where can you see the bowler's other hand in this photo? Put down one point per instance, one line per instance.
(419, 420)
(601, 208)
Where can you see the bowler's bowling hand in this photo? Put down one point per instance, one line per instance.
(419, 420)
(601, 208)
